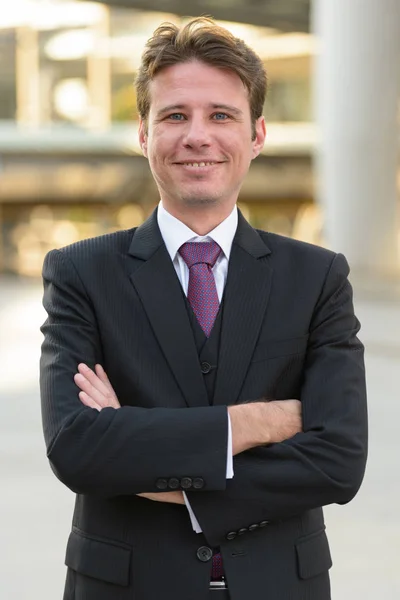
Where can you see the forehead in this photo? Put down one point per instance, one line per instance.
(197, 82)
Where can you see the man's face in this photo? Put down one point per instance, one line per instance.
(198, 138)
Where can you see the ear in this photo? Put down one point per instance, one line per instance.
(259, 140)
(143, 136)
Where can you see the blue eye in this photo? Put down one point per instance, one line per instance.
(220, 116)
(176, 117)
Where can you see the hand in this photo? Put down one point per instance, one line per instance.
(283, 419)
(96, 389)
(169, 497)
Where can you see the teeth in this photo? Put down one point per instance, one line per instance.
(201, 164)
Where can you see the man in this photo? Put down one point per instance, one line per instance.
(177, 356)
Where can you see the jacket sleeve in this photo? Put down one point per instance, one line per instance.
(114, 452)
(325, 463)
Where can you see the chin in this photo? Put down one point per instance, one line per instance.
(199, 197)
(199, 200)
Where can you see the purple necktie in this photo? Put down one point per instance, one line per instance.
(200, 258)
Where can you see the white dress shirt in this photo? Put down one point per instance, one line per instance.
(175, 233)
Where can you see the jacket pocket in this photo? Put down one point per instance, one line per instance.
(99, 558)
(276, 348)
(313, 555)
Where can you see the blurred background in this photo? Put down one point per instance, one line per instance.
(71, 168)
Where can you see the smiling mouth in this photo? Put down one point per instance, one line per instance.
(198, 164)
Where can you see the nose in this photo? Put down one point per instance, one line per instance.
(197, 134)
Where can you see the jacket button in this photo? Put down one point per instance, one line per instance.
(161, 484)
(205, 368)
(253, 527)
(186, 483)
(242, 531)
(204, 554)
(231, 535)
(264, 523)
(173, 483)
(198, 483)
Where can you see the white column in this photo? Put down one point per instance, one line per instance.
(99, 74)
(27, 77)
(357, 85)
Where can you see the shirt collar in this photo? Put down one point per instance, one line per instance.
(175, 233)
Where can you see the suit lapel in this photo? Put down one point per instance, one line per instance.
(158, 287)
(245, 301)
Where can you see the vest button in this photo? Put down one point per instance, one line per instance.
(204, 554)
(205, 368)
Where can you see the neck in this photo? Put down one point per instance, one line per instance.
(201, 220)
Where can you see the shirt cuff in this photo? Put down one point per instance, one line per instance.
(195, 523)
(229, 454)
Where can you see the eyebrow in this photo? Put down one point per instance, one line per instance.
(176, 107)
(228, 107)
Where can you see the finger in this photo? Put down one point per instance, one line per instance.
(104, 378)
(103, 395)
(87, 401)
(91, 376)
(102, 375)
(85, 386)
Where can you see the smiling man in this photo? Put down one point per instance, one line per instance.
(203, 386)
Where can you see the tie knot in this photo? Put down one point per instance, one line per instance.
(194, 253)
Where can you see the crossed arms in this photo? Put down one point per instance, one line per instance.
(253, 425)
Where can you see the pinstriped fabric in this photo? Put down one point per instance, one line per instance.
(200, 258)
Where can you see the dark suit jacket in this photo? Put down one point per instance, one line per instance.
(288, 331)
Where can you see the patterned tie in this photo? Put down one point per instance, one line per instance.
(217, 571)
(200, 258)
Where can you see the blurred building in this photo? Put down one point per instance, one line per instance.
(70, 165)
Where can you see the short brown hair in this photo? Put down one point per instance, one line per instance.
(203, 40)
